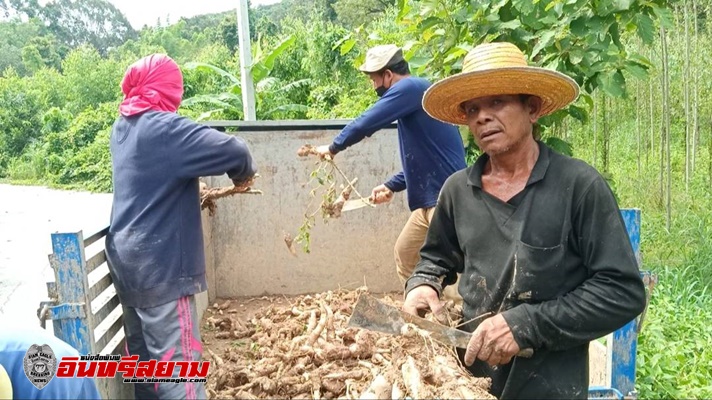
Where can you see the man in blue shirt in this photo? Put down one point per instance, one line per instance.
(14, 343)
(430, 150)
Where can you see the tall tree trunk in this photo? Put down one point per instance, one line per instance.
(709, 151)
(652, 115)
(695, 103)
(595, 129)
(686, 78)
(663, 110)
(666, 113)
(606, 134)
(637, 122)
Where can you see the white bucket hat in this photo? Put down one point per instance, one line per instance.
(380, 57)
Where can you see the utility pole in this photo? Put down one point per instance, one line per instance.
(248, 88)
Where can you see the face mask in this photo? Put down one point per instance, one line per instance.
(381, 90)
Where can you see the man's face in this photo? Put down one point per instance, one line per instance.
(500, 123)
(383, 79)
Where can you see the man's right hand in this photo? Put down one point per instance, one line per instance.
(381, 194)
(324, 153)
(424, 298)
(244, 184)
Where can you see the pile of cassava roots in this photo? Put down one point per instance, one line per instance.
(304, 349)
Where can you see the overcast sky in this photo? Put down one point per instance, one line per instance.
(140, 12)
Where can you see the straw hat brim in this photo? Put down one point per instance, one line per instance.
(443, 99)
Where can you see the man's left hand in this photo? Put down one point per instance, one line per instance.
(492, 342)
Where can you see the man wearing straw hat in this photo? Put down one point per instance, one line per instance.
(538, 238)
(430, 150)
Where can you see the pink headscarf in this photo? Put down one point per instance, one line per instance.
(152, 83)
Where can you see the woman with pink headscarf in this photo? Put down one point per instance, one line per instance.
(155, 242)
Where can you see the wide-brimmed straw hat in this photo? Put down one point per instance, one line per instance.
(497, 69)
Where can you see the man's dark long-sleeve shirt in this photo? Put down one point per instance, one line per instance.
(555, 260)
(155, 240)
(430, 150)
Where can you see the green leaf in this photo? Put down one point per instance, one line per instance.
(347, 46)
(526, 7)
(418, 62)
(622, 5)
(665, 16)
(453, 54)
(294, 85)
(259, 71)
(646, 28)
(594, 24)
(549, 20)
(429, 23)
(341, 41)
(281, 47)
(510, 25)
(559, 145)
(207, 99)
(266, 84)
(636, 70)
(545, 40)
(615, 34)
(208, 67)
(401, 8)
(612, 83)
(578, 113)
(576, 56)
(587, 99)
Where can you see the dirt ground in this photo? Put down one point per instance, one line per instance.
(301, 347)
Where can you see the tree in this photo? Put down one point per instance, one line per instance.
(14, 35)
(42, 51)
(353, 13)
(578, 37)
(73, 23)
(271, 93)
(665, 137)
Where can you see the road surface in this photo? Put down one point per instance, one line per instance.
(28, 215)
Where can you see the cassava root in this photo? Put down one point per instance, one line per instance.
(305, 349)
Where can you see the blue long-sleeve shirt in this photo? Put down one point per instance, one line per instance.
(155, 240)
(430, 150)
(14, 343)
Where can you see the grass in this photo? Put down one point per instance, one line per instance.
(674, 354)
